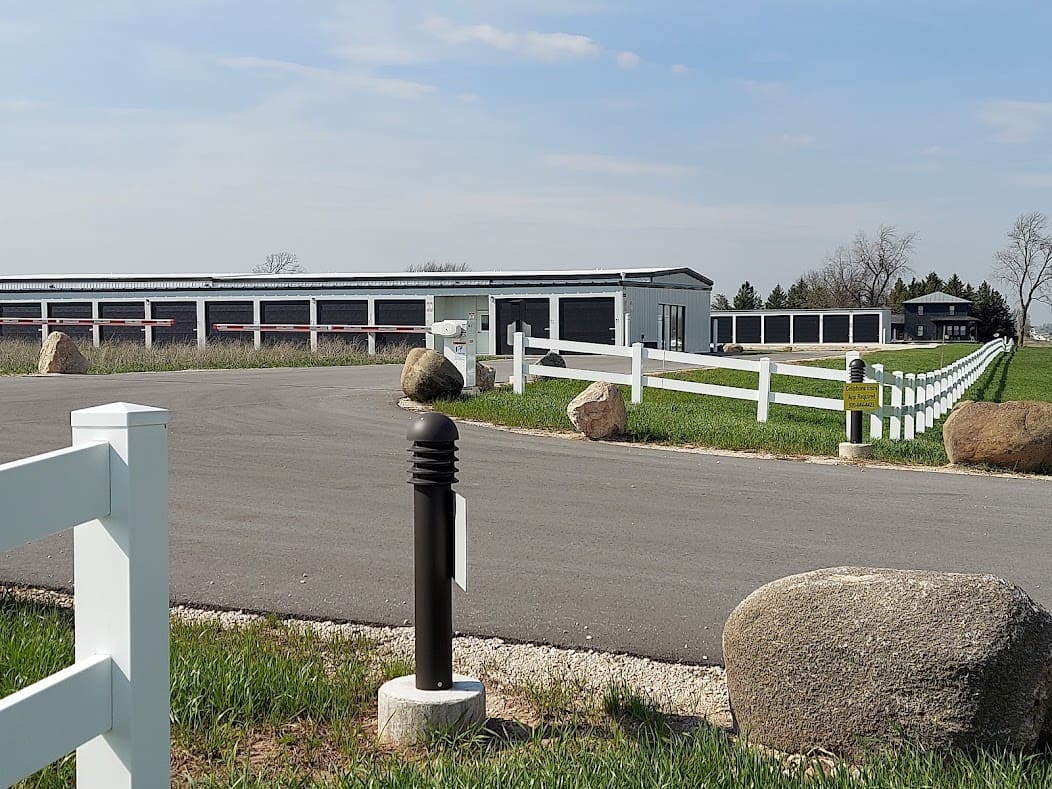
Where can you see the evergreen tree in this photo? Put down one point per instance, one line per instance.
(777, 300)
(899, 293)
(719, 302)
(932, 284)
(796, 298)
(955, 287)
(747, 298)
(993, 312)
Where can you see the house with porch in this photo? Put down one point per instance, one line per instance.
(935, 317)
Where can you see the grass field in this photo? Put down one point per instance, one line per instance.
(275, 705)
(679, 418)
(20, 358)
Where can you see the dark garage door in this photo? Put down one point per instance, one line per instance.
(121, 309)
(28, 309)
(184, 313)
(723, 329)
(805, 328)
(776, 328)
(748, 328)
(400, 313)
(533, 311)
(71, 309)
(587, 320)
(285, 312)
(867, 328)
(835, 328)
(228, 312)
(348, 313)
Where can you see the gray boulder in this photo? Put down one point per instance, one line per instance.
(550, 359)
(733, 348)
(851, 658)
(427, 375)
(599, 411)
(61, 355)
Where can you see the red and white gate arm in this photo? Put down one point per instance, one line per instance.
(320, 327)
(87, 321)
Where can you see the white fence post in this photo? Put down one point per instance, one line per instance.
(895, 422)
(876, 419)
(637, 373)
(929, 399)
(909, 411)
(121, 586)
(763, 394)
(518, 363)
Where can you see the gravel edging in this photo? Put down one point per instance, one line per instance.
(679, 689)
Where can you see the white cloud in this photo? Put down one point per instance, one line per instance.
(932, 150)
(1016, 122)
(538, 46)
(379, 54)
(796, 140)
(389, 86)
(679, 68)
(612, 165)
(469, 97)
(627, 60)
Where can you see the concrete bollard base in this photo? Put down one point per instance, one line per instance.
(855, 451)
(407, 716)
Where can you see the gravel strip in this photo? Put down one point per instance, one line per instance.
(683, 690)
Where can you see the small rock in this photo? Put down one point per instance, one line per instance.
(550, 359)
(61, 355)
(485, 377)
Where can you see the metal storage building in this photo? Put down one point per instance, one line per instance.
(661, 307)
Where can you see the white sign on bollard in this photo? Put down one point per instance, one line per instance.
(460, 543)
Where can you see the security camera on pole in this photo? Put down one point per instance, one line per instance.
(434, 697)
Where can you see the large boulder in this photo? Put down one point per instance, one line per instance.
(485, 377)
(1015, 435)
(428, 375)
(851, 658)
(733, 347)
(599, 411)
(550, 359)
(61, 355)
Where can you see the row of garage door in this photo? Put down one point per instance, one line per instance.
(832, 327)
(580, 319)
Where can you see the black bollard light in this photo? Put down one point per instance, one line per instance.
(433, 473)
(856, 374)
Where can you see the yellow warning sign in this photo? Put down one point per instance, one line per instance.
(861, 397)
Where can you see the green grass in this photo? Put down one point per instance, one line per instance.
(275, 705)
(20, 357)
(682, 419)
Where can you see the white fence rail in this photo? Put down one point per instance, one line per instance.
(913, 404)
(112, 704)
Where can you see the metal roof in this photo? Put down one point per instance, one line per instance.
(238, 281)
(937, 298)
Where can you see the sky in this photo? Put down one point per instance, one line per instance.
(745, 140)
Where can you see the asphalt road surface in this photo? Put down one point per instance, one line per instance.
(289, 494)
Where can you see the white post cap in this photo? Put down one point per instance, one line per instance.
(119, 415)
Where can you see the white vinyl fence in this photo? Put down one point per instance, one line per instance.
(914, 403)
(112, 704)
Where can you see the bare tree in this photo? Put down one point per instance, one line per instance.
(880, 261)
(279, 263)
(1026, 265)
(434, 265)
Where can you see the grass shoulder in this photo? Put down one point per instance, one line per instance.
(268, 703)
(20, 357)
(684, 419)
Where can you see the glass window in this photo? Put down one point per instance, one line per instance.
(483, 321)
(672, 327)
(952, 308)
(920, 309)
(920, 331)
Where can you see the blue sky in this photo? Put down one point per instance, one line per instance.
(745, 140)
